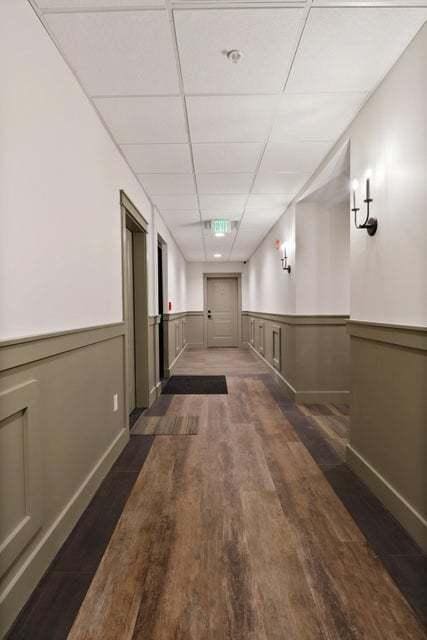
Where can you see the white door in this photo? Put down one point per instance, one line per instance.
(222, 312)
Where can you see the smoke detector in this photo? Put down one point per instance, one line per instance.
(234, 55)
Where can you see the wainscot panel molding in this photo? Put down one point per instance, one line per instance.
(260, 337)
(59, 437)
(276, 347)
(388, 444)
(194, 337)
(153, 358)
(296, 320)
(174, 339)
(20, 462)
(402, 335)
(308, 354)
(14, 353)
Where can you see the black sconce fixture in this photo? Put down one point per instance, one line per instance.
(284, 259)
(370, 224)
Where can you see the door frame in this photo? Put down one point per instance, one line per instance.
(131, 219)
(160, 242)
(237, 276)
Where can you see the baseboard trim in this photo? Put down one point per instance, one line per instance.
(155, 393)
(320, 397)
(169, 370)
(288, 388)
(305, 397)
(29, 575)
(195, 345)
(414, 523)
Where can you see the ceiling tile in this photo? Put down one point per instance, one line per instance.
(279, 183)
(266, 202)
(223, 183)
(218, 245)
(177, 219)
(294, 156)
(223, 205)
(158, 158)
(226, 157)
(318, 116)
(190, 241)
(97, 4)
(259, 221)
(159, 184)
(142, 120)
(175, 202)
(351, 48)
(245, 244)
(118, 52)
(266, 37)
(230, 118)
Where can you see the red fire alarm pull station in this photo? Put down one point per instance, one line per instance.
(170, 306)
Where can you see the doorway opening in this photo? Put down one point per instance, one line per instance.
(222, 309)
(135, 307)
(161, 301)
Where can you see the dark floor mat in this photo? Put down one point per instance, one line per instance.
(196, 385)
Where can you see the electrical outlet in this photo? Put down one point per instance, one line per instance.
(116, 402)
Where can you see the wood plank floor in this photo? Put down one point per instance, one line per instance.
(238, 534)
(333, 420)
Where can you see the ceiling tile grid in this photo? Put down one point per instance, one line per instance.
(158, 158)
(119, 52)
(210, 138)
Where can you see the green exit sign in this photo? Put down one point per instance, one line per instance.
(221, 226)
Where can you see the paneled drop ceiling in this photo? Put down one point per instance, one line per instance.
(209, 138)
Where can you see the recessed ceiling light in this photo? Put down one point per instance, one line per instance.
(217, 255)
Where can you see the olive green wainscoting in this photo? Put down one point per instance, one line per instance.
(388, 435)
(60, 433)
(175, 332)
(308, 354)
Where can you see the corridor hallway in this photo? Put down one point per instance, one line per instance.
(239, 532)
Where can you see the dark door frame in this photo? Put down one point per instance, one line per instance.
(161, 303)
(131, 219)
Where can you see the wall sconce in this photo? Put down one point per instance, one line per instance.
(370, 224)
(284, 259)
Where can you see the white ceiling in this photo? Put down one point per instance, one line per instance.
(208, 138)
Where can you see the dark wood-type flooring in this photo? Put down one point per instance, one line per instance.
(254, 529)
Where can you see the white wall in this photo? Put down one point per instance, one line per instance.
(270, 289)
(176, 268)
(388, 282)
(195, 271)
(60, 176)
(322, 258)
(388, 271)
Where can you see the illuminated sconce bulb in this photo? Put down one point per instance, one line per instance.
(284, 259)
(219, 235)
(355, 185)
(368, 173)
(217, 255)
